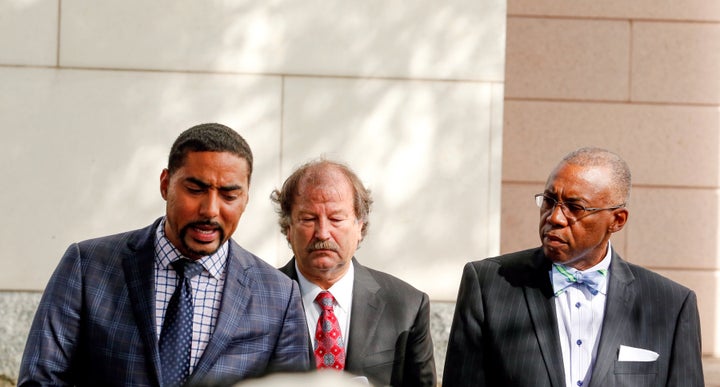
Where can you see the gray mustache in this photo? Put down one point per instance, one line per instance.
(322, 245)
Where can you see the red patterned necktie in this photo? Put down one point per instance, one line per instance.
(329, 344)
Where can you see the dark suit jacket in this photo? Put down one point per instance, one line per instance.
(95, 324)
(505, 332)
(390, 340)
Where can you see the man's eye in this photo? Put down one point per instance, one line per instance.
(575, 208)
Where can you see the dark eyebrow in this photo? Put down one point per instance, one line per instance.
(198, 182)
(229, 188)
(205, 185)
(564, 200)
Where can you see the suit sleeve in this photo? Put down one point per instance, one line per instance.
(464, 363)
(686, 359)
(54, 334)
(420, 361)
(291, 351)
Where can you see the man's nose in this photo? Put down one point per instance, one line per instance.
(210, 205)
(322, 229)
(557, 215)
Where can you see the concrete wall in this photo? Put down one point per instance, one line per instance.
(410, 94)
(640, 78)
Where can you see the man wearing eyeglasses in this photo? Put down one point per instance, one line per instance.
(573, 313)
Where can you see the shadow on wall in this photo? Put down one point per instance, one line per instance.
(100, 138)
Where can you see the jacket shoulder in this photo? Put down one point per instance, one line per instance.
(140, 233)
(392, 286)
(390, 280)
(257, 268)
(519, 260)
(650, 279)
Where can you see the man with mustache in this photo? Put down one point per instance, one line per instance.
(178, 301)
(572, 312)
(362, 321)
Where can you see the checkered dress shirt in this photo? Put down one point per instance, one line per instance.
(206, 290)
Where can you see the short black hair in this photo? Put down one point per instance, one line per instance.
(209, 137)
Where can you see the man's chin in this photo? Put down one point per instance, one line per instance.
(553, 254)
(196, 251)
(326, 261)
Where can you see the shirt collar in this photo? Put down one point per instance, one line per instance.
(166, 253)
(341, 290)
(603, 265)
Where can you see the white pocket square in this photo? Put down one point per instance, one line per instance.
(636, 354)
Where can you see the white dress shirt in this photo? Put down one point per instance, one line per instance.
(342, 291)
(580, 316)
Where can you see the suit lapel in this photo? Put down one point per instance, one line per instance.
(541, 304)
(367, 307)
(139, 267)
(616, 322)
(235, 299)
(289, 270)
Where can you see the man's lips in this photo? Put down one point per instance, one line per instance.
(203, 232)
(554, 239)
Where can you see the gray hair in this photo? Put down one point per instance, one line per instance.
(599, 157)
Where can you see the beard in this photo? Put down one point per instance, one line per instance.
(201, 252)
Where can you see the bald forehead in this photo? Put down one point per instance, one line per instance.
(586, 182)
(323, 174)
(325, 179)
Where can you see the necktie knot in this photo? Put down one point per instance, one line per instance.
(186, 268)
(562, 278)
(325, 299)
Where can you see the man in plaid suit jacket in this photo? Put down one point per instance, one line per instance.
(99, 320)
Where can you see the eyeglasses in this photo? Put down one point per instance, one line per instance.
(571, 211)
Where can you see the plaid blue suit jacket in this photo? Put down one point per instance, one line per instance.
(95, 324)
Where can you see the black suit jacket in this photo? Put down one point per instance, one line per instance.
(505, 332)
(389, 340)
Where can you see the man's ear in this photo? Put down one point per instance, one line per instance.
(620, 217)
(164, 182)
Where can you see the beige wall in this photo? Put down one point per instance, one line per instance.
(641, 78)
(410, 94)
